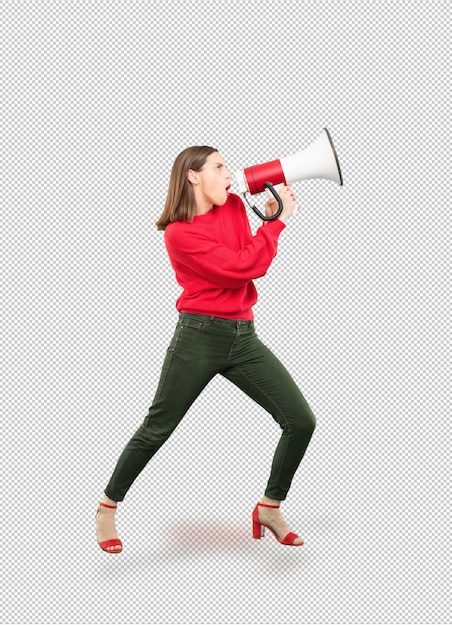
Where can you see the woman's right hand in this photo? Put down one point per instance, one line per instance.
(289, 204)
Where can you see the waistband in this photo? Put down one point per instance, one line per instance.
(208, 320)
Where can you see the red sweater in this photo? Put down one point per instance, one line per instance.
(216, 258)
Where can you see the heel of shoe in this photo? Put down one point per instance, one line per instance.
(258, 530)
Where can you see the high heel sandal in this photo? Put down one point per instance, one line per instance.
(259, 527)
(110, 543)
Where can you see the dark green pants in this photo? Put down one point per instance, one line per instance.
(202, 347)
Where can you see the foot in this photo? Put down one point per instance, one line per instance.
(105, 527)
(274, 519)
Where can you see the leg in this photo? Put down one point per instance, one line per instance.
(263, 378)
(171, 402)
(183, 377)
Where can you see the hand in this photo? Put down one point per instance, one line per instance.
(289, 204)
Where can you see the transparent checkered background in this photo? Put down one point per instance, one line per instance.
(97, 99)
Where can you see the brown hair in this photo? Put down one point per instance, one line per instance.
(180, 199)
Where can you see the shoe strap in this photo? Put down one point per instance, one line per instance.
(269, 506)
(108, 506)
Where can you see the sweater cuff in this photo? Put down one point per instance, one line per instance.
(277, 226)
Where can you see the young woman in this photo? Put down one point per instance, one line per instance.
(215, 259)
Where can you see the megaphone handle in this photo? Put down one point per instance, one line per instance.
(267, 218)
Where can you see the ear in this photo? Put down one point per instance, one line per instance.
(192, 177)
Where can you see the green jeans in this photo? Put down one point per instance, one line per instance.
(202, 347)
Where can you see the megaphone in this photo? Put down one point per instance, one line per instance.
(318, 160)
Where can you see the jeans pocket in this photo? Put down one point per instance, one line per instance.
(185, 344)
(192, 323)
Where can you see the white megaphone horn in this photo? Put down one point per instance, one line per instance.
(318, 160)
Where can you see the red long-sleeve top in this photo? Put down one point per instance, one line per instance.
(216, 258)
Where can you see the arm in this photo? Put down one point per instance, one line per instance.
(220, 265)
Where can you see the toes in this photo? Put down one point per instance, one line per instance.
(112, 549)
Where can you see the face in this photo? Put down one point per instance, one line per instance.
(212, 183)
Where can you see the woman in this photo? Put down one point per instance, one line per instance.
(215, 259)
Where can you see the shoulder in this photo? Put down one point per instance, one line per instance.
(176, 228)
(175, 234)
(184, 234)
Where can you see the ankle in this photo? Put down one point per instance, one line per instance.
(270, 501)
(108, 502)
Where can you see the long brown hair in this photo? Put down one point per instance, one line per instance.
(180, 199)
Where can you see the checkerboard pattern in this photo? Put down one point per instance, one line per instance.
(98, 98)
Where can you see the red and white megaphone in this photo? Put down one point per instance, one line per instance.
(319, 160)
